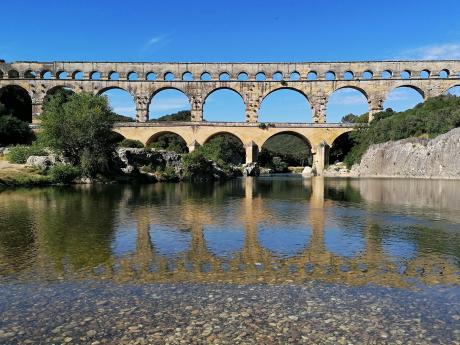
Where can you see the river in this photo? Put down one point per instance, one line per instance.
(248, 261)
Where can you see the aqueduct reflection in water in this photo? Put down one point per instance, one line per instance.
(249, 230)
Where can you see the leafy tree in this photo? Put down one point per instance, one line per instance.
(80, 127)
(14, 131)
(170, 142)
(224, 149)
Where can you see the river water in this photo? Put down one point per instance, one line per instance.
(269, 260)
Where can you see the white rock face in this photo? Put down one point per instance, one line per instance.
(42, 162)
(435, 158)
(307, 172)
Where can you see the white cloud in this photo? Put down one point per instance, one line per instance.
(156, 40)
(169, 104)
(446, 51)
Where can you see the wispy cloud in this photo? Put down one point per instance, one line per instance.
(446, 51)
(348, 97)
(169, 104)
(156, 41)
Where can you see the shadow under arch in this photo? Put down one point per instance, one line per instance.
(340, 147)
(307, 115)
(17, 102)
(231, 149)
(233, 92)
(292, 147)
(168, 140)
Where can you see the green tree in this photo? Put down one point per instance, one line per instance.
(170, 142)
(80, 127)
(14, 131)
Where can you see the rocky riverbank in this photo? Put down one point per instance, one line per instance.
(413, 157)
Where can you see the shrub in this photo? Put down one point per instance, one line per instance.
(19, 154)
(14, 131)
(196, 165)
(131, 143)
(63, 173)
(80, 126)
(278, 165)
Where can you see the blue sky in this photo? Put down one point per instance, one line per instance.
(234, 30)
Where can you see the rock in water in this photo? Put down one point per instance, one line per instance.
(251, 169)
(307, 172)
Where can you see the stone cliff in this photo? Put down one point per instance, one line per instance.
(413, 157)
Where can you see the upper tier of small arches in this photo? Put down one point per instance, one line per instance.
(180, 72)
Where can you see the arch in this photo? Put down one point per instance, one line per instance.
(406, 74)
(29, 74)
(95, 75)
(340, 147)
(294, 76)
(226, 104)
(150, 76)
(425, 74)
(205, 76)
(120, 101)
(242, 76)
(291, 147)
(132, 75)
(230, 145)
(224, 76)
(348, 75)
(368, 74)
(13, 74)
(168, 101)
(387, 74)
(169, 141)
(344, 101)
(312, 75)
(46, 74)
(113, 75)
(67, 91)
(77, 75)
(187, 76)
(168, 76)
(285, 101)
(444, 74)
(453, 90)
(403, 97)
(260, 76)
(61, 75)
(277, 76)
(330, 75)
(17, 102)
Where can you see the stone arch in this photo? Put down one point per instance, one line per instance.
(340, 146)
(400, 88)
(234, 92)
(236, 154)
(17, 101)
(51, 91)
(30, 74)
(76, 74)
(153, 138)
(13, 74)
(108, 88)
(182, 92)
(413, 87)
(454, 86)
(213, 135)
(345, 99)
(300, 155)
(308, 108)
(122, 101)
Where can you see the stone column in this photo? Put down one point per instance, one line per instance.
(252, 152)
(318, 107)
(252, 101)
(192, 146)
(197, 108)
(320, 158)
(142, 108)
(375, 106)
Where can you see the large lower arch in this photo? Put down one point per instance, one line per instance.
(345, 101)
(404, 97)
(290, 147)
(167, 103)
(340, 147)
(224, 104)
(121, 102)
(285, 104)
(169, 141)
(17, 102)
(228, 145)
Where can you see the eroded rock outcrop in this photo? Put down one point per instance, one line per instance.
(413, 157)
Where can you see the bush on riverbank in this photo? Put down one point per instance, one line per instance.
(19, 154)
(14, 131)
(63, 173)
(435, 116)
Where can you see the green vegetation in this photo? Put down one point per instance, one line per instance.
(131, 143)
(224, 149)
(169, 142)
(435, 116)
(196, 165)
(63, 173)
(19, 154)
(13, 130)
(80, 127)
(289, 148)
(183, 115)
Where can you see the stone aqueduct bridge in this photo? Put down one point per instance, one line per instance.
(252, 81)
